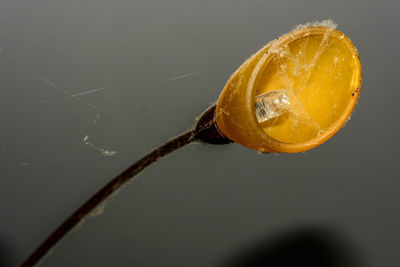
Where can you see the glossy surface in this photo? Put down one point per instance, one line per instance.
(320, 69)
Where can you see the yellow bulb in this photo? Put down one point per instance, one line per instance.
(312, 78)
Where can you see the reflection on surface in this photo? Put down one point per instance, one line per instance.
(301, 247)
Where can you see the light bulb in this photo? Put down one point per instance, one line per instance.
(272, 104)
(293, 94)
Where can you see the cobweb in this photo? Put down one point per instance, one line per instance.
(78, 96)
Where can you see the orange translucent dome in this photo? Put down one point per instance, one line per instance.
(318, 69)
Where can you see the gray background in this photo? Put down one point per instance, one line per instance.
(204, 204)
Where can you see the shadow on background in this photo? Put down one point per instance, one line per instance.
(6, 256)
(302, 247)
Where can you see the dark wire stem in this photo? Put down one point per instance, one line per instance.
(104, 193)
(206, 131)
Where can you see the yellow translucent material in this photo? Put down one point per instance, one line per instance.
(319, 68)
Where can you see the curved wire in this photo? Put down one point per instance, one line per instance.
(105, 192)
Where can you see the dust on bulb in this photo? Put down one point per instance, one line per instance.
(272, 104)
